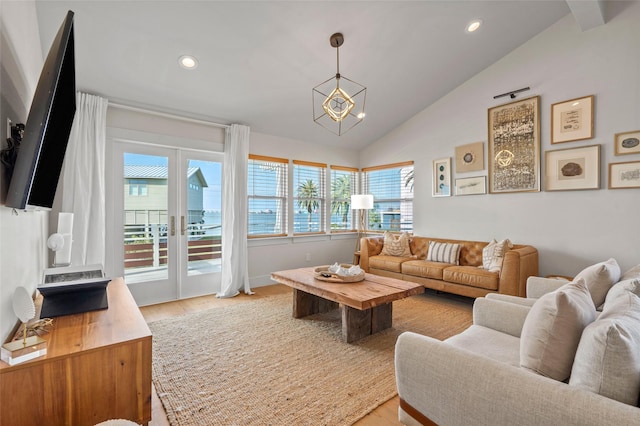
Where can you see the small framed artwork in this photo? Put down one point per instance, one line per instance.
(514, 146)
(572, 120)
(471, 186)
(573, 168)
(624, 175)
(627, 143)
(442, 177)
(470, 158)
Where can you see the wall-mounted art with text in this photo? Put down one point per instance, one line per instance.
(624, 175)
(572, 120)
(514, 146)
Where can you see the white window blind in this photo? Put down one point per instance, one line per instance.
(343, 184)
(267, 196)
(309, 197)
(392, 188)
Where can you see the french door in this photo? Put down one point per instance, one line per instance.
(168, 215)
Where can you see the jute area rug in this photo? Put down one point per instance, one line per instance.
(253, 364)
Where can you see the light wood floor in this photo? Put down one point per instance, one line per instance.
(386, 414)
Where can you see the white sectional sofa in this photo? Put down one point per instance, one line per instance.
(497, 372)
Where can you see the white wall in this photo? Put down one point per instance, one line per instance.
(571, 229)
(23, 251)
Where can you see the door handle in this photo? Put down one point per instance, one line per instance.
(182, 228)
(173, 226)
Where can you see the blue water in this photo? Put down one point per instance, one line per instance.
(264, 223)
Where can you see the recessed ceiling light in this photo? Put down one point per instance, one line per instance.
(188, 62)
(361, 115)
(474, 25)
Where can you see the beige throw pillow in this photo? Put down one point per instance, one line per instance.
(608, 358)
(444, 252)
(552, 330)
(631, 273)
(493, 255)
(599, 279)
(396, 245)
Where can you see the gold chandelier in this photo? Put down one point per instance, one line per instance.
(338, 102)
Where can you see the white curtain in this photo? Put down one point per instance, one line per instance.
(83, 179)
(235, 270)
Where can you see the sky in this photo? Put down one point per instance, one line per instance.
(212, 172)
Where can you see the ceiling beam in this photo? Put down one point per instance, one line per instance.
(588, 13)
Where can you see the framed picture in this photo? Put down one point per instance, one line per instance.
(470, 158)
(471, 186)
(572, 120)
(573, 168)
(514, 146)
(442, 177)
(624, 175)
(627, 143)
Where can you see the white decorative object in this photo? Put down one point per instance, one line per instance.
(29, 347)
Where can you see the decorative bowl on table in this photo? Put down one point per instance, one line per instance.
(324, 273)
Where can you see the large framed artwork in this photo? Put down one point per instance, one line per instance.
(572, 120)
(442, 177)
(572, 168)
(470, 157)
(514, 146)
(624, 175)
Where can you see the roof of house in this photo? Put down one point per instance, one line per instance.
(159, 172)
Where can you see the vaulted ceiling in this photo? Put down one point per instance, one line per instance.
(258, 61)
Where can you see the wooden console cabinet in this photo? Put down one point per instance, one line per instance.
(97, 367)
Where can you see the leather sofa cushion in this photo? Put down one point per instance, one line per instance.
(388, 263)
(472, 276)
(425, 269)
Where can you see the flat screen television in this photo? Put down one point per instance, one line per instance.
(41, 154)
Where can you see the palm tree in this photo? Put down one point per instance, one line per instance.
(341, 197)
(308, 197)
(408, 179)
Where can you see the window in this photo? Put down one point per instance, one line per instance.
(392, 189)
(267, 193)
(309, 197)
(137, 187)
(343, 184)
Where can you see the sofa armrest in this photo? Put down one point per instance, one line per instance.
(452, 386)
(524, 301)
(499, 315)
(369, 246)
(538, 286)
(519, 264)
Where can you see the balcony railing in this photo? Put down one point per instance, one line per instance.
(146, 245)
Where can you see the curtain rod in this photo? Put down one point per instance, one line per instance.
(167, 115)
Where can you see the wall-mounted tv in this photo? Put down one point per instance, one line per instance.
(41, 154)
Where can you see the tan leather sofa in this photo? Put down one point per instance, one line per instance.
(465, 279)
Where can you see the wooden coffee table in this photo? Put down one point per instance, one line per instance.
(365, 305)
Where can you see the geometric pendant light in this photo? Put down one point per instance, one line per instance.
(338, 102)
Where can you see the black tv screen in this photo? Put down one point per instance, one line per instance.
(39, 161)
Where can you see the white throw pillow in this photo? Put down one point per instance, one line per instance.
(599, 279)
(551, 332)
(493, 255)
(396, 245)
(444, 252)
(631, 273)
(608, 358)
(622, 287)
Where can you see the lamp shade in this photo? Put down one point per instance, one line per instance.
(361, 201)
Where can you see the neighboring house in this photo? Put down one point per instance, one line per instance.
(146, 195)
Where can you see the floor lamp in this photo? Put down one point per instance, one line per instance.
(360, 202)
